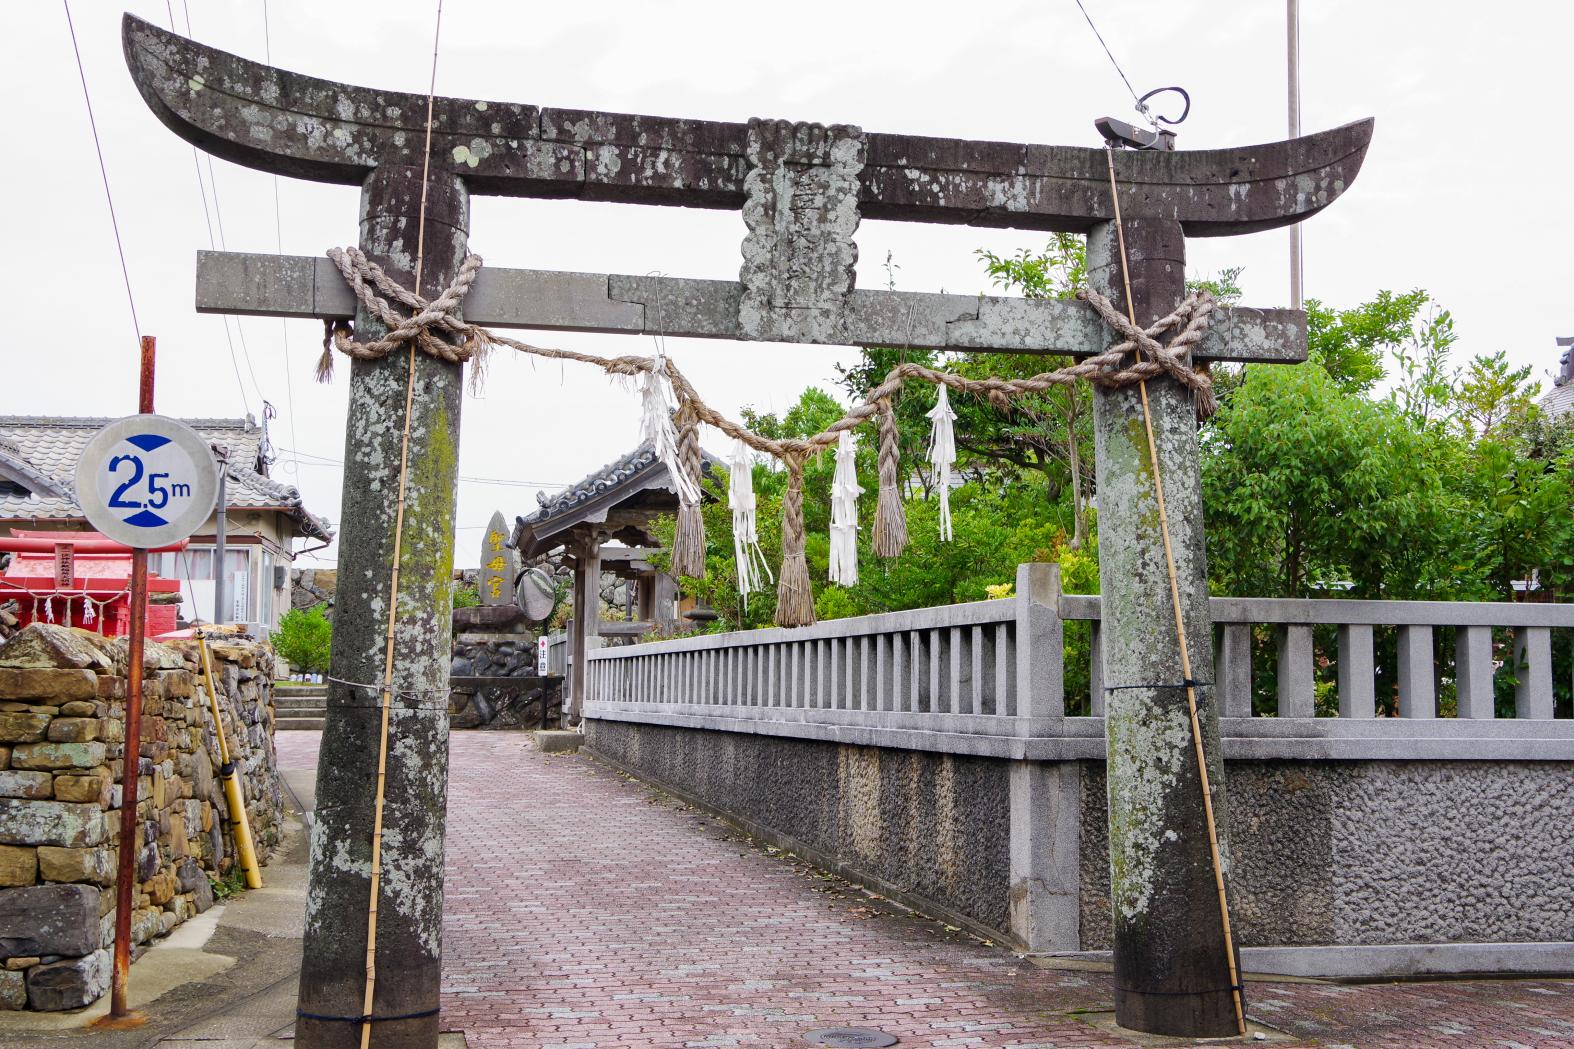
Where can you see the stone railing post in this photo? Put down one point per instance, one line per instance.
(1046, 824)
(1041, 643)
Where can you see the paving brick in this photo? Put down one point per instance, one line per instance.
(583, 910)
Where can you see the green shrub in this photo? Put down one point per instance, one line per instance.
(305, 638)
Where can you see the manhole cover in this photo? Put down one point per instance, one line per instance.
(850, 1038)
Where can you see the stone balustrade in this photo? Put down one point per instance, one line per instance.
(1396, 770)
(989, 678)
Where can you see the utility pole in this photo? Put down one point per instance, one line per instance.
(1293, 25)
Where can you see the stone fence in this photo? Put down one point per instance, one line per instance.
(62, 709)
(930, 754)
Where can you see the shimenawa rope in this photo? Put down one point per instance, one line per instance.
(422, 321)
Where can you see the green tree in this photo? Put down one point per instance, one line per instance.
(305, 638)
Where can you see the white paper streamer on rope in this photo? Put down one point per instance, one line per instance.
(942, 453)
(844, 513)
(655, 424)
(745, 527)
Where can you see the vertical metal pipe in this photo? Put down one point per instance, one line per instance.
(221, 614)
(131, 748)
(1293, 28)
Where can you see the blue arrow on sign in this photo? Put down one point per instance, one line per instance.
(148, 441)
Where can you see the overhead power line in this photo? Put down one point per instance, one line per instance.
(1107, 51)
(207, 217)
(103, 171)
(278, 234)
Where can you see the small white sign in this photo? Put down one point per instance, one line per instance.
(147, 481)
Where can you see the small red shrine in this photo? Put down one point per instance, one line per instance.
(97, 594)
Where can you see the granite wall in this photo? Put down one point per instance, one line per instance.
(1322, 853)
(931, 829)
(62, 731)
(1380, 852)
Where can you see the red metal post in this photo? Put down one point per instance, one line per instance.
(131, 749)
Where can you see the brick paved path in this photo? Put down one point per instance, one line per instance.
(585, 912)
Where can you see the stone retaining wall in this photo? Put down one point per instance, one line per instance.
(1339, 867)
(929, 829)
(62, 709)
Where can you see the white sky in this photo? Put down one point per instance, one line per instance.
(1464, 191)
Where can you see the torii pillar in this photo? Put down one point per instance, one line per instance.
(410, 907)
(1171, 971)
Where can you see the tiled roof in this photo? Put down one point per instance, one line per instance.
(38, 458)
(609, 476)
(1560, 401)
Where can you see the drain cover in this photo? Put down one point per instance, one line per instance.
(850, 1038)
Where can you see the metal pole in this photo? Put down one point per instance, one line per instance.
(1293, 25)
(131, 748)
(220, 613)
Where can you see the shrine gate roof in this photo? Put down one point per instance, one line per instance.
(639, 477)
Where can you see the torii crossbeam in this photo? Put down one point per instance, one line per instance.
(801, 189)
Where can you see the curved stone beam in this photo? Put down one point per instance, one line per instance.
(290, 124)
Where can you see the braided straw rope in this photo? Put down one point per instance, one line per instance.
(433, 328)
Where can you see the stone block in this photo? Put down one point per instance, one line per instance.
(94, 866)
(23, 727)
(81, 708)
(148, 861)
(145, 925)
(68, 984)
(18, 865)
(57, 755)
(50, 646)
(73, 730)
(50, 823)
(202, 894)
(13, 990)
(111, 687)
(92, 788)
(19, 784)
(188, 875)
(18, 964)
(49, 919)
(48, 685)
(161, 888)
(5, 757)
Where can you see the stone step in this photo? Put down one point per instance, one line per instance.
(300, 690)
(312, 724)
(294, 702)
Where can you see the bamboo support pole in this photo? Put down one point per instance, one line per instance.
(234, 792)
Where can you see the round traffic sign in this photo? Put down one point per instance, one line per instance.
(147, 481)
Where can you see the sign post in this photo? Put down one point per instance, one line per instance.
(144, 481)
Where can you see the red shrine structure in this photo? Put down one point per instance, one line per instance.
(81, 579)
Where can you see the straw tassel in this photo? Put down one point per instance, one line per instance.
(844, 513)
(942, 453)
(745, 526)
(688, 544)
(794, 595)
(656, 427)
(890, 518)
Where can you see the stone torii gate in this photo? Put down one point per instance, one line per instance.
(802, 189)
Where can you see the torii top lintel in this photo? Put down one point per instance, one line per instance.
(290, 124)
